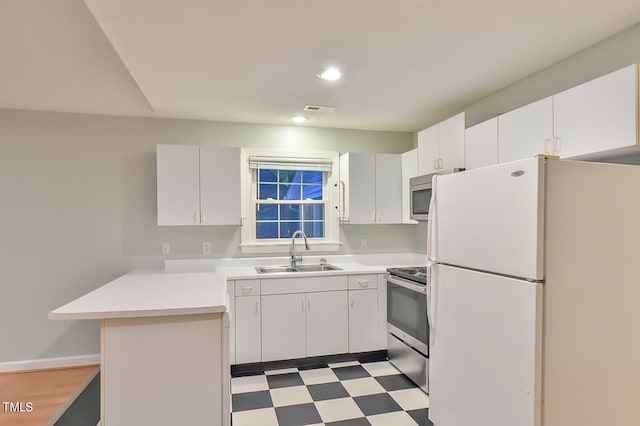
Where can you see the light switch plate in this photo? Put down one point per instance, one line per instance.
(166, 248)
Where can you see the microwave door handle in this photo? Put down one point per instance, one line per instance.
(431, 249)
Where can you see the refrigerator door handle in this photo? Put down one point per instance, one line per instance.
(431, 291)
(431, 249)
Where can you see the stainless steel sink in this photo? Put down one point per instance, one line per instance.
(299, 268)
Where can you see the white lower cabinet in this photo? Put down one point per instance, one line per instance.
(304, 324)
(248, 332)
(297, 317)
(363, 320)
(327, 330)
(283, 326)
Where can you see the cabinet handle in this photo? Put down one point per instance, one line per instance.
(440, 163)
(308, 303)
(373, 216)
(257, 307)
(196, 217)
(247, 290)
(302, 301)
(547, 146)
(378, 216)
(556, 145)
(202, 217)
(435, 164)
(363, 283)
(351, 300)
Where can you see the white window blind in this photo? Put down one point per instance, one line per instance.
(291, 163)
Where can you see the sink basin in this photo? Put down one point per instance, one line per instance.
(299, 268)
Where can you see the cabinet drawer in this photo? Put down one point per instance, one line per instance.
(363, 281)
(247, 288)
(303, 284)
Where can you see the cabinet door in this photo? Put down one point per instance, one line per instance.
(481, 142)
(523, 132)
(451, 142)
(247, 321)
(362, 187)
(327, 323)
(283, 326)
(363, 320)
(598, 115)
(428, 151)
(178, 170)
(388, 181)
(220, 185)
(409, 170)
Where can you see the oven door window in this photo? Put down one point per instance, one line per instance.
(420, 199)
(407, 310)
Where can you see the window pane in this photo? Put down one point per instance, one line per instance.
(290, 192)
(290, 212)
(312, 177)
(314, 212)
(267, 212)
(266, 230)
(312, 192)
(268, 175)
(268, 190)
(288, 228)
(289, 176)
(314, 229)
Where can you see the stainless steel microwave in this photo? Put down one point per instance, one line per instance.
(420, 194)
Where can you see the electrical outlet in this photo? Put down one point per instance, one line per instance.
(166, 248)
(363, 244)
(206, 247)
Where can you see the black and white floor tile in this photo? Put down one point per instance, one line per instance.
(347, 393)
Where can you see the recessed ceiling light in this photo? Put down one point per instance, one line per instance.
(299, 119)
(330, 74)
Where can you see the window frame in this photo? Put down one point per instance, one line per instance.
(249, 243)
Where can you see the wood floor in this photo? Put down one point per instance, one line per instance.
(50, 393)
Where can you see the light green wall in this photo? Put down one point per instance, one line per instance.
(79, 209)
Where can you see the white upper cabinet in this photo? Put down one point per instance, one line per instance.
(409, 170)
(597, 116)
(178, 168)
(371, 188)
(198, 185)
(441, 147)
(219, 185)
(481, 144)
(526, 131)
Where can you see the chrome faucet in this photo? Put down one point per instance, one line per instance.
(295, 259)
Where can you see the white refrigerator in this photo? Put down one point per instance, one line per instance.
(534, 295)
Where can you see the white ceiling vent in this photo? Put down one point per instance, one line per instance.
(319, 108)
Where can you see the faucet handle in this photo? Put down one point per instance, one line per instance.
(323, 261)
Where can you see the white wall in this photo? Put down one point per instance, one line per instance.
(79, 209)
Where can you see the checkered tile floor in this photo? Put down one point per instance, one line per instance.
(347, 393)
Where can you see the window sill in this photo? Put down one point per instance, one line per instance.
(283, 247)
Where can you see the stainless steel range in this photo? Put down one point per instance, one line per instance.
(407, 324)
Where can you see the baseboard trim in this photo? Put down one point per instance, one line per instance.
(45, 363)
(239, 370)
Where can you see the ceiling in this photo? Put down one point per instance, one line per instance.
(404, 62)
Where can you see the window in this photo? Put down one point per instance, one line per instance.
(288, 200)
(286, 193)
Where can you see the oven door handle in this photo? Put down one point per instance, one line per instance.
(402, 283)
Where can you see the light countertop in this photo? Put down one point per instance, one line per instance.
(150, 293)
(199, 286)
